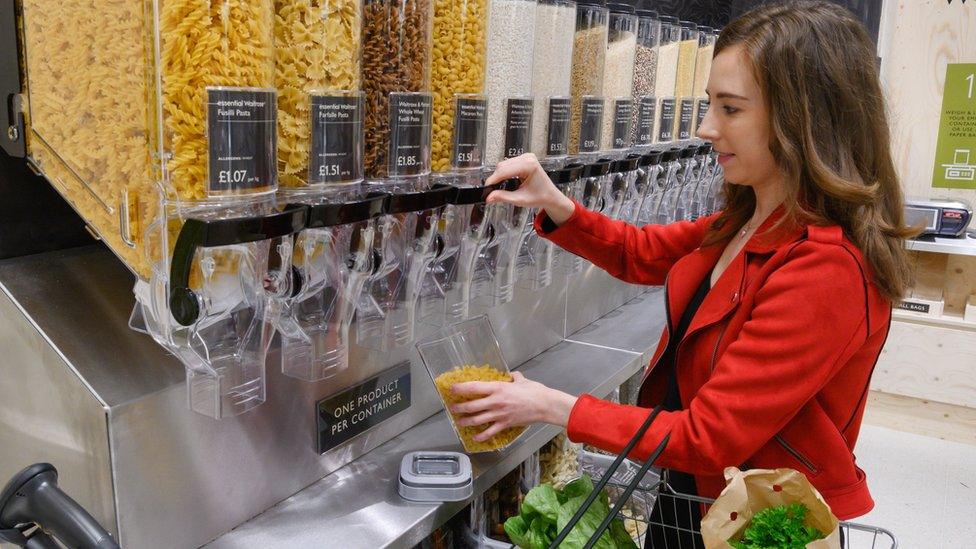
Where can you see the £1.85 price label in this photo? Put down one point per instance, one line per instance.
(410, 133)
(242, 139)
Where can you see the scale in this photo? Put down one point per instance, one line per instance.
(435, 476)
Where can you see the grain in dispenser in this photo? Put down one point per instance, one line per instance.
(703, 66)
(665, 80)
(586, 86)
(511, 38)
(645, 70)
(552, 65)
(618, 76)
(684, 87)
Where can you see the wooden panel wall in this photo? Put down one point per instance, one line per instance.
(920, 37)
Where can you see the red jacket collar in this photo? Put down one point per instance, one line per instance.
(768, 238)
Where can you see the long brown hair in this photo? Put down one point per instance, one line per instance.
(829, 132)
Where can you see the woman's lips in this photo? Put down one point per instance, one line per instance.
(724, 157)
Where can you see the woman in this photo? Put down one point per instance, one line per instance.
(778, 306)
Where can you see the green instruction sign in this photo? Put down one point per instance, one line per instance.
(955, 154)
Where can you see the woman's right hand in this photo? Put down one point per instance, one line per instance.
(536, 191)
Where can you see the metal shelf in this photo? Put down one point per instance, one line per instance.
(965, 245)
(945, 321)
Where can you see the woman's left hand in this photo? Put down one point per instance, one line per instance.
(510, 404)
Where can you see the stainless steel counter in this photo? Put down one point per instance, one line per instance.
(358, 505)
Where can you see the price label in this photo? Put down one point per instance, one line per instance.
(686, 119)
(242, 140)
(557, 138)
(701, 109)
(518, 127)
(666, 122)
(645, 120)
(410, 133)
(623, 113)
(470, 116)
(591, 124)
(336, 144)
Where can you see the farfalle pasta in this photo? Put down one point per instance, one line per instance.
(316, 49)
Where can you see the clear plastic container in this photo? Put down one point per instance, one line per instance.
(645, 70)
(317, 54)
(552, 65)
(118, 127)
(589, 57)
(684, 87)
(467, 351)
(703, 67)
(458, 73)
(665, 79)
(508, 85)
(396, 41)
(618, 76)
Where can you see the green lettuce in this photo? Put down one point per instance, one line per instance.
(546, 511)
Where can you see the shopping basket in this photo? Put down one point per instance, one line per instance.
(638, 490)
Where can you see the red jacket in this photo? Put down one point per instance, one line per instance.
(774, 368)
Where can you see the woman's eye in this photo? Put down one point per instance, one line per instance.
(729, 109)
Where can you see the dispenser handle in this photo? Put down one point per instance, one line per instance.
(199, 233)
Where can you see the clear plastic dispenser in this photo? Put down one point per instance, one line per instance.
(571, 184)
(658, 181)
(668, 210)
(495, 267)
(689, 203)
(552, 64)
(645, 70)
(684, 87)
(333, 258)
(397, 43)
(665, 79)
(405, 243)
(618, 77)
(586, 83)
(624, 195)
(538, 256)
(467, 351)
(687, 181)
(648, 167)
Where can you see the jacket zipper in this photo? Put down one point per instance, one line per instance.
(796, 454)
(711, 366)
(667, 330)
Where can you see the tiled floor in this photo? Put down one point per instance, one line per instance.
(924, 487)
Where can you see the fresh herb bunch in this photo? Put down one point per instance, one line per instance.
(545, 511)
(780, 527)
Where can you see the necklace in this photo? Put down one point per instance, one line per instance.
(745, 229)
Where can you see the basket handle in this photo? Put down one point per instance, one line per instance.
(606, 478)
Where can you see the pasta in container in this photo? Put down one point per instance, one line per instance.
(154, 118)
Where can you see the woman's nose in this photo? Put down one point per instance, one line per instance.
(707, 130)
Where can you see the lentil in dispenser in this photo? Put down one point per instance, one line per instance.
(645, 71)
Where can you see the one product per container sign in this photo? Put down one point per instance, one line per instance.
(242, 140)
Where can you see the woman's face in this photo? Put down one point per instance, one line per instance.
(737, 122)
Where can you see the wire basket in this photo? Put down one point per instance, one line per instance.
(655, 494)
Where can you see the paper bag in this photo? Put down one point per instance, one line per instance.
(751, 491)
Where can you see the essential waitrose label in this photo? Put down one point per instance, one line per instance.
(518, 127)
(645, 120)
(343, 416)
(557, 138)
(666, 128)
(336, 154)
(687, 118)
(242, 140)
(470, 116)
(410, 133)
(591, 124)
(623, 113)
(701, 109)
